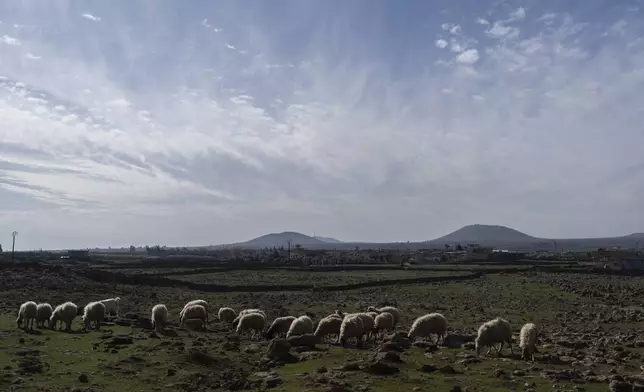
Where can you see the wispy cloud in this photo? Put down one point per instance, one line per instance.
(91, 17)
(206, 123)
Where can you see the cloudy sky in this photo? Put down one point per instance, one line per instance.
(207, 122)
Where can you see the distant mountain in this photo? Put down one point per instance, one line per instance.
(282, 239)
(328, 240)
(484, 234)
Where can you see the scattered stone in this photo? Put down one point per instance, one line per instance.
(428, 368)
(381, 368)
(308, 340)
(620, 386)
(447, 369)
(201, 358)
(388, 356)
(83, 378)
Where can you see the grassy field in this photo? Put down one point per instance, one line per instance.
(323, 278)
(592, 332)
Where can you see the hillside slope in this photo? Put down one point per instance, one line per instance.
(281, 239)
(483, 234)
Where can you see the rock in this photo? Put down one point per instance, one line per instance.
(18, 381)
(388, 356)
(457, 340)
(456, 388)
(620, 386)
(83, 378)
(171, 372)
(350, 367)
(447, 369)
(389, 346)
(468, 361)
(273, 380)
(201, 358)
(308, 340)
(381, 368)
(428, 368)
(120, 340)
(322, 369)
(252, 349)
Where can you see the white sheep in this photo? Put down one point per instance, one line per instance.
(383, 322)
(432, 323)
(493, 332)
(368, 323)
(28, 312)
(253, 322)
(94, 311)
(64, 313)
(528, 341)
(248, 311)
(351, 327)
(193, 312)
(300, 326)
(226, 315)
(44, 311)
(280, 326)
(199, 302)
(111, 305)
(329, 325)
(159, 316)
(394, 311)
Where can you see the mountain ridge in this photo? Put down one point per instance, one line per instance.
(497, 236)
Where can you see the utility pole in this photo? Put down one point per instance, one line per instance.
(13, 245)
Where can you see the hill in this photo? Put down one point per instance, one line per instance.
(281, 239)
(328, 240)
(484, 234)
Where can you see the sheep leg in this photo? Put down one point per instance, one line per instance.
(511, 350)
(500, 348)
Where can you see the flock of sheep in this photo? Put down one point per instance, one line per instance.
(370, 324)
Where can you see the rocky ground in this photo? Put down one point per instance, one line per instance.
(591, 341)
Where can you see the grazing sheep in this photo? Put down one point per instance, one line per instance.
(111, 305)
(193, 312)
(528, 341)
(159, 316)
(44, 311)
(329, 325)
(432, 323)
(64, 313)
(351, 327)
(300, 326)
(383, 322)
(248, 311)
(390, 309)
(368, 323)
(94, 311)
(199, 302)
(194, 324)
(27, 312)
(226, 315)
(253, 322)
(493, 332)
(280, 326)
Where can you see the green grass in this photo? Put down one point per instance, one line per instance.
(67, 355)
(476, 377)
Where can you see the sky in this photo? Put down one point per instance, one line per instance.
(211, 122)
